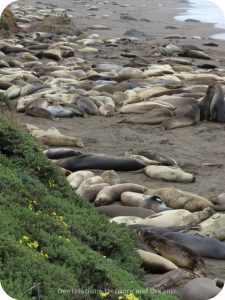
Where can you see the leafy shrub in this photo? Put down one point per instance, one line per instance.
(52, 239)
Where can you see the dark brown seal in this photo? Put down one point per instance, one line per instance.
(212, 106)
(179, 254)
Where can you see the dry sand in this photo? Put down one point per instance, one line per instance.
(194, 146)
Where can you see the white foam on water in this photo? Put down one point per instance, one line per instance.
(208, 11)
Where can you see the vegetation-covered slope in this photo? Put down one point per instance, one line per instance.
(52, 240)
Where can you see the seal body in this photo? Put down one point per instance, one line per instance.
(155, 263)
(212, 106)
(116, 211)
(202, 245)
(56, 153)
(177, 199)
(199, 289)
(181, 255)
(100, 162)
(113, 193)
(168, 174)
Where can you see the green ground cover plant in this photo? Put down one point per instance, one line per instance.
(51, 240)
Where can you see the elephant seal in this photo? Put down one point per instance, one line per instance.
(156, 116)
(176, 198)
(113, 193)
(166, 218)
(111, 177)
(203, 246)
(154, 203)
(90, 192)
(87, 106)
(116, 211)
(76, 178)
(100, 162)
(217, 107)
(144, 106)
(37, 111)
(125, 220)
(220, 200)
(154, 263)
(212, 106)
(178, 217)
(161, 158)
(52, 137)
(107, 110)
(59, 111)
(181, 255)
(213, 227)
(166, 173)
(56, 153)
(145, 160)
(199, 289)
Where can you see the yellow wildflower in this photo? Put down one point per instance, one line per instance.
(25, 238)
(103, 295)
(35, 244)
(131, 297)
(53, 213)
(21, 241)
(120, 298)
(30, 245)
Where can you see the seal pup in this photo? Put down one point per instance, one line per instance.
(113, 193)
(76, 178)
(155, 263)
(125, 220)
(87, 106)
(213, 227)
(181, 255)
(90, 192)
(174, 174)
(52, 137)
(116, 211)
(154, 203)
(56, 153)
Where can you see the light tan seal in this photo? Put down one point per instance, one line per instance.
(52, 137)
(155, 263)
(111, 194)
(213, 227)
(176, 198)
(76, 178)
(90, 192)
(181, 255)
(166, 173)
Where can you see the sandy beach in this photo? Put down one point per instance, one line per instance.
(199, 149)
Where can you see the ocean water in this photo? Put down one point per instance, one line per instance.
(207, 11)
